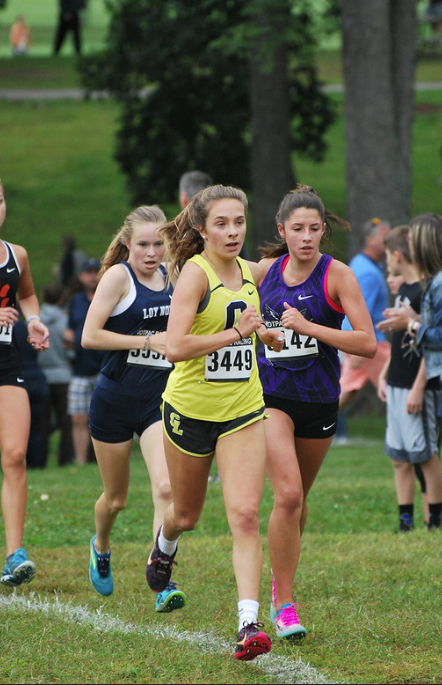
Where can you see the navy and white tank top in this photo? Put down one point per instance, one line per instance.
(306, 369)
(9, 280)
(142, 312)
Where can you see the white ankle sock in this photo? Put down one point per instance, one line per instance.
(167, 546)
(247, 612)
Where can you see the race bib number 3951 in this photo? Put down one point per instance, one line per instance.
(148, 358)
(230, 364)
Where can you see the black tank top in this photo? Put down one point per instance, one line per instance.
(9, 280)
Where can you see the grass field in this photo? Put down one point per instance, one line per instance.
(369, 598)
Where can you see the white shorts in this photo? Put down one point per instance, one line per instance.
(412, 438)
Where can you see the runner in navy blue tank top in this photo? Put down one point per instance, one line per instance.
(16, 293)
(128, 317)
(304, 295)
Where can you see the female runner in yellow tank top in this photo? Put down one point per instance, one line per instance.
(213, 399)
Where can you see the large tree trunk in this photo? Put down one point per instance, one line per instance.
(379, 56)
(270, 122)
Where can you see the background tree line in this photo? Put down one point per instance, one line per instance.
(230, 86)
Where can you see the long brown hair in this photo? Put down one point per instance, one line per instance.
(182, 235)
(301, 196)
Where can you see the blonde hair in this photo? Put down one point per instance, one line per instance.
(426, 244)
(182, 235)
(117, 250)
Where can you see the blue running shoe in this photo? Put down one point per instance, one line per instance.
(170, 599)
(100, 573)
(18, 569)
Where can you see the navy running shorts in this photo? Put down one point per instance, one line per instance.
(114, 417)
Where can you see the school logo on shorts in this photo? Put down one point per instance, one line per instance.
(174, 421)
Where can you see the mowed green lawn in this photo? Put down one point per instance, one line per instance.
(370, 598)
(42, 17)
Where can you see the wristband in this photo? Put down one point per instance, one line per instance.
(238, 331)
(147, 343)
(33, 316)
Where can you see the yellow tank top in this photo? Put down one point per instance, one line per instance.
(225, 384)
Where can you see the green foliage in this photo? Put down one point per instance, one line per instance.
(315, 113)
(180, 71)
(194, 115)
(71, 184)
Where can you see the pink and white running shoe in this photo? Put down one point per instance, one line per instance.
(286, 620)
(287, 623)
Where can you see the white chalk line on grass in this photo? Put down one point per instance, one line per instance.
(282, 669)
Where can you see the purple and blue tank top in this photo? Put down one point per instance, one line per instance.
(306, 369)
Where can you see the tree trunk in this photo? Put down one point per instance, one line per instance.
(378, 57)
(270, 123)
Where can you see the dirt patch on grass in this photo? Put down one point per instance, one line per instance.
(427, 107)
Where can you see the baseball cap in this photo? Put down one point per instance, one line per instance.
(91, 264)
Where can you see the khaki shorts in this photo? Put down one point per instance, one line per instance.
(367, 370)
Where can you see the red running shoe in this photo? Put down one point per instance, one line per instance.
(252, 642)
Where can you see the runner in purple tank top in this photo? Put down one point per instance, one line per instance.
(305, 295)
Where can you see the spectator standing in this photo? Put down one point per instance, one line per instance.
(191, 182)
(394, 283)
(368, 268)
(433, 15)
(17, 288)
(20, 36)
(69, 21)
(57, 368)
(426, 251)
(71, 261)
(412, 435)
(86, 364)
(37, 389)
